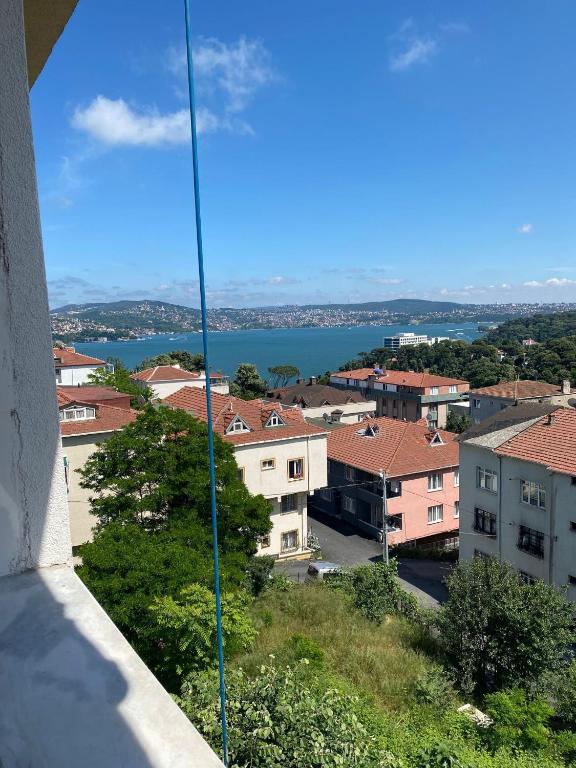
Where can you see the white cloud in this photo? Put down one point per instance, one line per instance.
(553, 282)
(525, 229)
(237, 70)
(411, 48)
(282, 280)
(114, 122)
(387, 280)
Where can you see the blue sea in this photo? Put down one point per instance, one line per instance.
(312, 350)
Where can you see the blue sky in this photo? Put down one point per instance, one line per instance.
(348, 152)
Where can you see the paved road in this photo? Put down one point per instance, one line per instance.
(343, 544)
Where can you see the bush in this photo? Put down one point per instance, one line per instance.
(435, 688)
(564, 692)
(277, 721)
(438, 757)
(518, 720)
(303, 647)
(259, 573)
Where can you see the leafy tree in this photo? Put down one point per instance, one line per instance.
(564, 695)
(259, 573)
(120, 380)
(152, 504)
(247, 383)
(456, 422)
(281, 375)
(499, 632)
(187, 360)
(184, 630)
(278, 720)
(519, 721)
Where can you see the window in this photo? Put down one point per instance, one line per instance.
(326, 493)
(267, 464)
(456, 478)
(456, 509)
(237, 425)
(526, 577)
(274, 420)
(296, 469)
(435, 481)
(486, 479)
(289, 541)
(77, 414)
(482, 555)
(533, 493)
(394, 523)
(264, 541)
(289, 503)
(531, 541)
(476, 403)
(241, 473)
(58, 376)
(66, 471)
(435, 514)
(572, 580)
(349, 504)
(452, 389)
(484, 522)
(350, 473)
(573, 525)
(433, 390)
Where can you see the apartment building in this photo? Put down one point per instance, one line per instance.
(164, 380)
(422, 480)
(88, 416)
(278, 454)
(320, 401)
(405, 395)
(518, 491)
(486, 401)
(72, 368)
(410, 339)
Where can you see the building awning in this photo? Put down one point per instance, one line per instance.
(44, 22)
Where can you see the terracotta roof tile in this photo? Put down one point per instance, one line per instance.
(108, 419)
(551, 441)
(518, 390)
(254, 413)
(65, 358)
(404, 378)
(165, 373)
(90, 394)
(399, 448)
(314, 395)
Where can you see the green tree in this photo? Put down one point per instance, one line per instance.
(187, 360)
(281, 375)
(151, 501)
(564, 694)
(183, 628)
(247, 383)
(457, 422)
(499, 632)
(120, 380)
(278, 720)
(519, 721)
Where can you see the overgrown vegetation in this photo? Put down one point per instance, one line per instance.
(120, 380)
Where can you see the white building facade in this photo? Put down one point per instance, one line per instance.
(518, 497)
(165, 380)
(73, 369)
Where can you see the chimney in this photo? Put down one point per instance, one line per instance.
(371, 377)
(312, 380)
(566, 390)
(551, 419)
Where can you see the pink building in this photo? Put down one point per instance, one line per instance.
(422, 479)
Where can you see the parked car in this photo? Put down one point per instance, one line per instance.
(320, 569)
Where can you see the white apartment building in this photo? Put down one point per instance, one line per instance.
(486, 401)
(410, 339)
(518, 492)
(73, 369)
(164, 380)
(278, 454)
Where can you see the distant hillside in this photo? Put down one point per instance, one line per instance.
(400, 306)
(540, 327)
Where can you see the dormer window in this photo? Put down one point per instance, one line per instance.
(436, 439)
(237, 425)
(275, 420)
(77, 413)
(370, 431)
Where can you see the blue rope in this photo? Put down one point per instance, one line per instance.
(208, 385)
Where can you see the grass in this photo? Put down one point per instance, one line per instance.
(383, 662)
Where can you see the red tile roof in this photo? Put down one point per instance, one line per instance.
(404, 378)
(66, 358)
(90, 394)
(254, 413)
(399, 448)
(518, 390)
(551, 444)
(108, 419)
(170, 373)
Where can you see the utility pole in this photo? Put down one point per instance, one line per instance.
(384, 519)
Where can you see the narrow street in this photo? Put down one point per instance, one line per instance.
(343, 544)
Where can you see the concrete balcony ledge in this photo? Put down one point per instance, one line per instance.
(72, 690)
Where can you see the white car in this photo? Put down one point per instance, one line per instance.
(319, 569)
